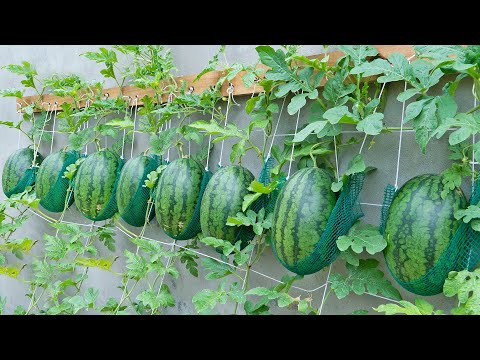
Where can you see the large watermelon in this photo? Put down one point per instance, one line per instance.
(178, 192)
(223, 197)
(19, 167)
(132, 195)
(301, 215)
(50, 185)
(95, 185)
(419, 226)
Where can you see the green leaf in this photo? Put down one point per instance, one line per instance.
(2, 259)
(284, 300)
(407, 94)
(217, 270)
(339, 114)
(336, 91)
(153, 300)
(90, 296)
(350, 257)
(163, 141)
(55, 247)
(337, 186)
(3, 302)
(452, 177)
(359, 53)
(10, 271)
(206, 300)
(471, 212)
(314, 127)
(465, 285)
(19, 310)
(101, 263)
(372, 124)
(360, 312)
(125, 123)
(77, 141)
(362, 237)
(362, 278)
(397, 68)
(355, 165)
(297, 102)
(11, 93)
(421, 307)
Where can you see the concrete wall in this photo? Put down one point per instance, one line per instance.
(191, 59)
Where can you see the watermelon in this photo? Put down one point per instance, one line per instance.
(301, 215)
(15, 169)
(132, 196)
(419, 226)
(95, 185)
(178, 192)
(50, 185)
(223, 197)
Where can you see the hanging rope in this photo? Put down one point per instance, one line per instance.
(230, 98)
(324, 291)
(336, 157)
(473, 141)
(107, 95)
(85, 125)
(210, 140)
(276, 128)
(53, 126)
(37, 147)
(125, 130)
(400, 140)
(19, 111)
(134, 124)
(374, 111)
(293, 145)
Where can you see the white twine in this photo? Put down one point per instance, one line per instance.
(19, 119)
(125, 130)
(53, 126)
(230, 97)
(336, 157)
(473, 142)
(276, 128)
(400, 141)
(209, 141)
(325, 290)
(374, 111)
(41, 135)
(85, 124)
(293, 146)
(134, 122)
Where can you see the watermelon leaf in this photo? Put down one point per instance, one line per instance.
(217, 269)
(452, 177)
(356, 165)
(421, 307)
(361, 279)
(472, 212)
(362, 237)
(465, 285)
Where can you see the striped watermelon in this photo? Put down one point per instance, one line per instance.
(223, 197)
(50, 186)
(132, 195)
(301, 215)
(95, 185)
(178, 191)
(15, 169)
(419, 226)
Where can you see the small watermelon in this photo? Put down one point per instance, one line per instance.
(51, 187)
(95, 184)
(178, 193)
(223, 197)
(132, 195)
(301, 214)
(419, 226)
(19, 167)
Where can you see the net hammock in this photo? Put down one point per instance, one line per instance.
(462, 252)
(54, 200)
(135, 213)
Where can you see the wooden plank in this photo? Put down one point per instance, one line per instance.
(205, 81)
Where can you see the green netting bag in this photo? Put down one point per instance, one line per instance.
(193, 227)
(462, 252)
(346, 212)
(132, 194)
(55, 199)
(19, 172)
(110, 208)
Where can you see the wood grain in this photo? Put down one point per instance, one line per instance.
(205, 81)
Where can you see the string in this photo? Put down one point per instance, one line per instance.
(230, 95)
(400, 140)
(106, 137)
(124, 130)
(325, 291)
(209, 140)
(293, 145)
(374, 111)
(41, 135)
(473, 141)
(53, 127)
(336, 157)
(85, 125)
(19, 119)
(276, 127)
(134, 122)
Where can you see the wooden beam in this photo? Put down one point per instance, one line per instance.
(205, 81)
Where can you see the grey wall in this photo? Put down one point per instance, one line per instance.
(191, 59)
